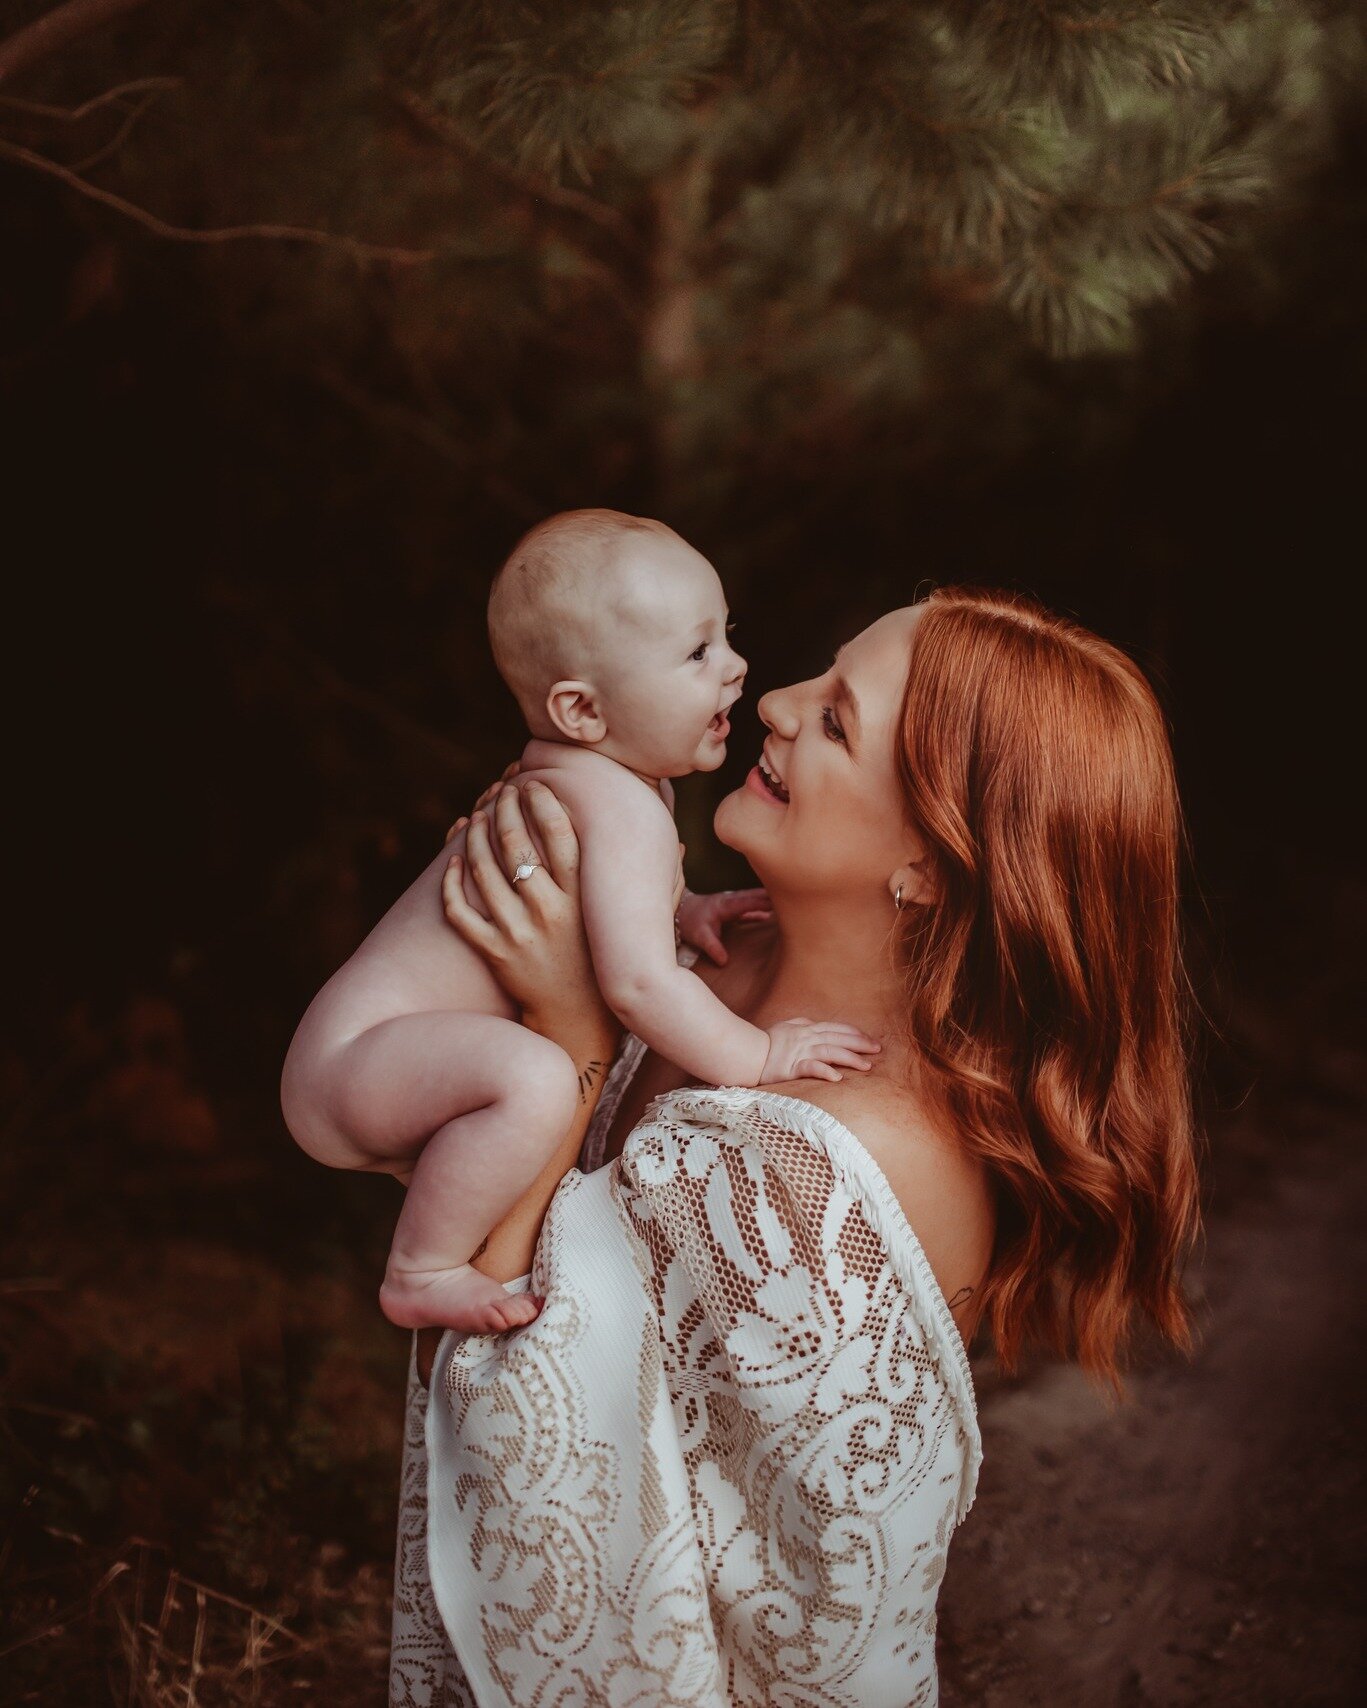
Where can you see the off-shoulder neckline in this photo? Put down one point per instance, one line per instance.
(845, 1147)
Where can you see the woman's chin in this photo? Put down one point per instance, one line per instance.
(735, 822)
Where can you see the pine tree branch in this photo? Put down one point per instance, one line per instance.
(353, 246)
(1073, 25)
(444, 129)
(441, 127)
(55, 29)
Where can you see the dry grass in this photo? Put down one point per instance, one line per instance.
(200, 1405)
(151, 1637)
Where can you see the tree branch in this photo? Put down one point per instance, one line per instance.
(55, 29)
(74, 115)
(444, 129)
(353, 246)
(119, 137)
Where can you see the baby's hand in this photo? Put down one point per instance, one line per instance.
(701, 918)
(814, 1049)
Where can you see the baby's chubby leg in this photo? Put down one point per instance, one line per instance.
(496, 1100)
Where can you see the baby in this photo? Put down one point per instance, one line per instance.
(611, 632)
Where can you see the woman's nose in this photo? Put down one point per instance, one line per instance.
(776, 713)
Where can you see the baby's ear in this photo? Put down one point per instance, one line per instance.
(573, 710)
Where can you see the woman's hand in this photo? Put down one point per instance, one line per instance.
(534, 937)
(534, 942)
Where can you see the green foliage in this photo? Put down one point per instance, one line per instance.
(561, 88)
(1078, 161)
(727, 231)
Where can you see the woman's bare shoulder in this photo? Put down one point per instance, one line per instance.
(942, 1190)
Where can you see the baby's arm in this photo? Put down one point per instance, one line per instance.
(628, 864)
(628, 861)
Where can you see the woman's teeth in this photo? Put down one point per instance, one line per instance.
(771, 782)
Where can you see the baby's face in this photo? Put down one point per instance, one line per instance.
(667, 675)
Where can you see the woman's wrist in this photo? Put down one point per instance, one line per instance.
(588, 1034)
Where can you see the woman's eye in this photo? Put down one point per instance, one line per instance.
(699, 653)
(831, 727)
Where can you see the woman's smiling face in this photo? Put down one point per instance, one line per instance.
(823, 810)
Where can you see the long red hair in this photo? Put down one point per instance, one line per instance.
(1044, 978)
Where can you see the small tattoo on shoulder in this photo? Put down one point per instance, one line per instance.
(961, 1298)
(590, 1076)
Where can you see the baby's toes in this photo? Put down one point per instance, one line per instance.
(517, 1310)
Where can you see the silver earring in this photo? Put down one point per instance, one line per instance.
(897, 899)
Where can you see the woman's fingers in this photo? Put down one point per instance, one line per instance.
(540, 890)
(454, 831)
(498, 895)
(472, 926)
(515, 845)
(556, 831)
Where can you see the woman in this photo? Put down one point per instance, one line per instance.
(725, 1462)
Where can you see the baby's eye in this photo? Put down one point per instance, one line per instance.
(831, 727)
(699, 652)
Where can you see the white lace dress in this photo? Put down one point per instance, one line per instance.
(722, 1466)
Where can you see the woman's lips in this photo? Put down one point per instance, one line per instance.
(757, 786)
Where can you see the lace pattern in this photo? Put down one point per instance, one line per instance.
(724, 1464)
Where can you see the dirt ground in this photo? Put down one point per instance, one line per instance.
(200, 1407)
(1203, 1543)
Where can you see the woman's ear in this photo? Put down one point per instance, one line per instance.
(911, 885)
(573, 710)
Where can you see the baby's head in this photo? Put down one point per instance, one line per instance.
(611, 632)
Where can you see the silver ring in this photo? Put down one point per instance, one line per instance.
(525, 871)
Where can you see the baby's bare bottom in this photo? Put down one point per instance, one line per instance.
(482, 1104)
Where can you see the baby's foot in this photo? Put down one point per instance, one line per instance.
(460, 1298)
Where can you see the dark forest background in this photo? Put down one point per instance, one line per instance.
(859, 304)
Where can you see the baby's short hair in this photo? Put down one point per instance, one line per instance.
(542, 605)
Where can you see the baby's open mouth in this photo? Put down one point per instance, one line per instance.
(720, 725)
(771, 782)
